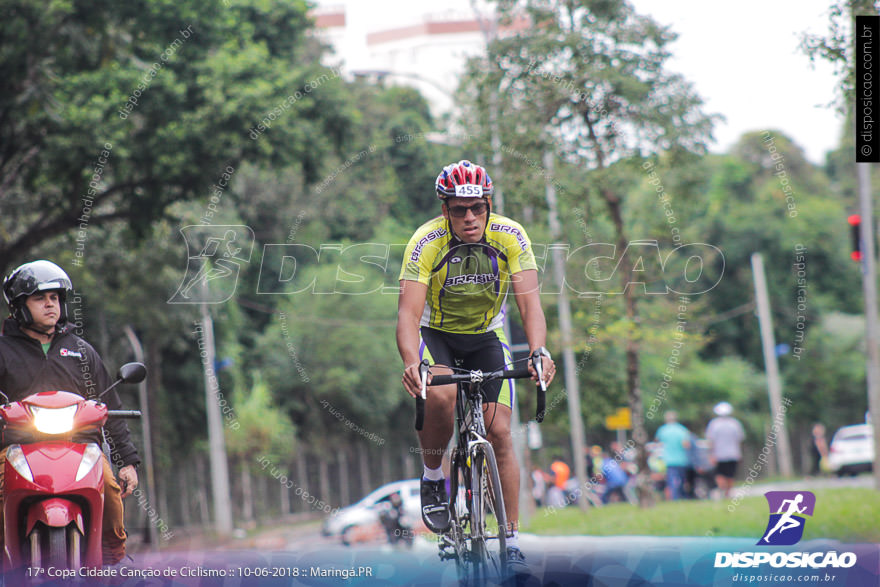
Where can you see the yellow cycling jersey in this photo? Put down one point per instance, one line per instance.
(467, 283)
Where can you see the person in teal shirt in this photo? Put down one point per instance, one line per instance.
(675, 439)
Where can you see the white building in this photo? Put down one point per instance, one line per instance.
(396, 42)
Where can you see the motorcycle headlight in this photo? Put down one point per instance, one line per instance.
(91, 455)
(53, 420)
(15, 456)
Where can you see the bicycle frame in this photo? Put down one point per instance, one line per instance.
(468, 539)
(473, 463)
(479, 551)
(469, 416)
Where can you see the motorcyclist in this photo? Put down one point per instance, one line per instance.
(393, 520)
(39, 352)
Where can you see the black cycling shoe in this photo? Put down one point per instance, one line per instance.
(435, 506)
(516, 562)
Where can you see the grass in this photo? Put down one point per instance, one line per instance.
(848, 514)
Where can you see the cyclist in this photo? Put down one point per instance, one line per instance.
(456, 273)
(39, 352)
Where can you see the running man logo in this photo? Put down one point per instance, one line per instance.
(787, 511)
(215, 255)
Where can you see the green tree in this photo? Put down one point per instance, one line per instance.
(834, 48)
(263, 434)
(828, 384)
(589, 79)
(112, 111)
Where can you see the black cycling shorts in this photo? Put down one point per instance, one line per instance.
(486, 351)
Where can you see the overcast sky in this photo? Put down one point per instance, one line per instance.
(742, 58)
(744, 61)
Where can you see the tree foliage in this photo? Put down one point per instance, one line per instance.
(113, 111)
(589, 82)
(350, 165)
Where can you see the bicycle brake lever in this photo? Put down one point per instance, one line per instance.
(538, 365)
(420, 399)
(423, 376)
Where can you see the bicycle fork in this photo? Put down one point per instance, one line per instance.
(452, 542)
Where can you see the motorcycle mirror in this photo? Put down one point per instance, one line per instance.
(128, 373)
(132, 373)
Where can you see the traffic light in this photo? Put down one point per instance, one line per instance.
(855, 223)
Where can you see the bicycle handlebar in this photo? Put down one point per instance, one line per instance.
(477, 377)
(521, 373)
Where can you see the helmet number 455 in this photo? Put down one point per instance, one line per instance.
(468, 190)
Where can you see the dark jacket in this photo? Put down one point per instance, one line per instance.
(70, 365)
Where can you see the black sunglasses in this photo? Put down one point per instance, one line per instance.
(461, 211)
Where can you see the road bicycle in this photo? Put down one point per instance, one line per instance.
(477, 538)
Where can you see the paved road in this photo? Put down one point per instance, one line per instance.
(808, 483)
(308, 536)
(297, 555)
(629, 561)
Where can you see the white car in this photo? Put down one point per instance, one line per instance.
(362, 518)
(852, 450)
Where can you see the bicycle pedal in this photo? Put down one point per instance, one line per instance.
(447, 551)
(447, 556)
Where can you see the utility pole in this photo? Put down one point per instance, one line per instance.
(216, 440)
(566, 330)
(774, 385)
(869, 286)
(148, 437)
(489, 28)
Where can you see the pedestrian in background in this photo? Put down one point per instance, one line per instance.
(675, 439)
(725, 435)
(819, 448)
(559, 474)
(693, 469)
(539, 485)
(615, 477)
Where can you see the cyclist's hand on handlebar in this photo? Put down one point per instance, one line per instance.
(548, 367)
(412, 381)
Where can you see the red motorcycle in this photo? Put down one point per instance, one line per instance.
(54, 476)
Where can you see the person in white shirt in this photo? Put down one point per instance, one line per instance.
(725, 435)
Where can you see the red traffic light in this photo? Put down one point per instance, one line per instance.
(855, 222)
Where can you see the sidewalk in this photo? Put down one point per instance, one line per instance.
(805, 483)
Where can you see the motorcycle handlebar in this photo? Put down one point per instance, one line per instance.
(123, 413)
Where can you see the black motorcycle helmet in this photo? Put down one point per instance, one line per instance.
(29, 279)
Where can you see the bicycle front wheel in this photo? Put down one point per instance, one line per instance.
(460, 529)
(488, 518)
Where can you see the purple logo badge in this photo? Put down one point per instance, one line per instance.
(787, 511)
